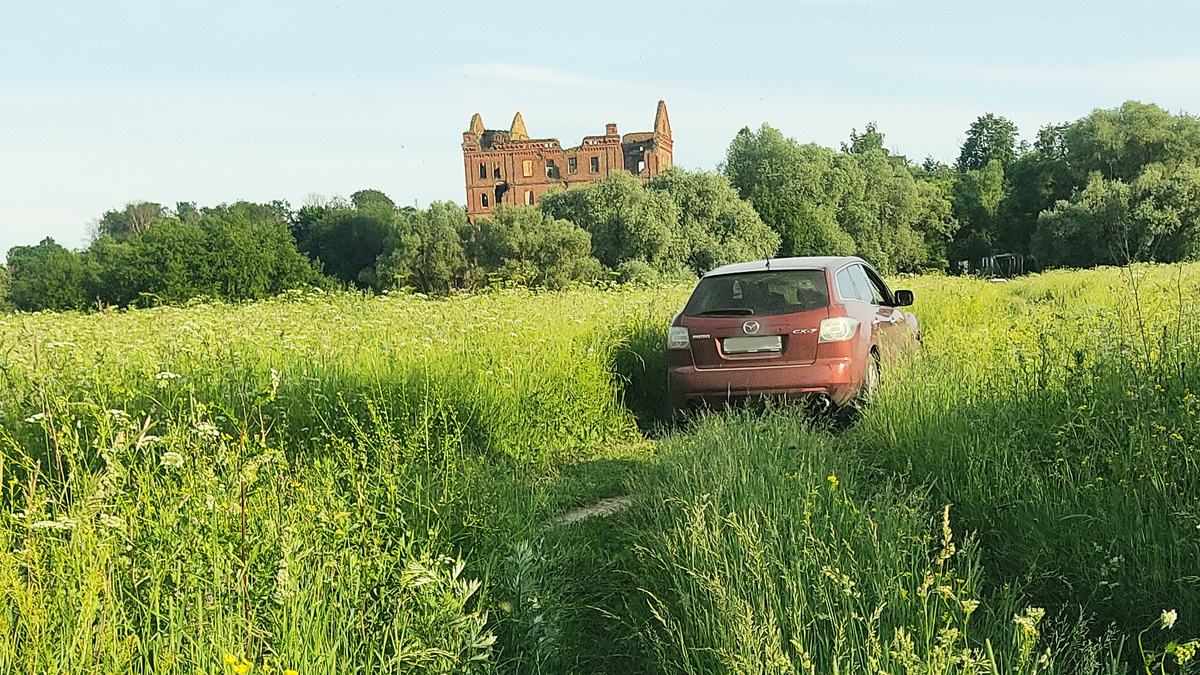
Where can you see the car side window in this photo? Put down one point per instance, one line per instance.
(878, 289)
(845, 285)
(862, 287)
(853, 284)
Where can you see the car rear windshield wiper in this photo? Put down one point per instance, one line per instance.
(737, 311)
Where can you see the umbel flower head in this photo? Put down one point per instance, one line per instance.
(1168, 618)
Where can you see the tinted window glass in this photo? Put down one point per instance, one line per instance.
(883, 296)
(845, 284)
(866, 290)
(853, 285)
(759, 294)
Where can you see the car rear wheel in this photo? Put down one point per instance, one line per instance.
(870, 382)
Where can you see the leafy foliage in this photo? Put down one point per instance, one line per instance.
(425, 251)
(46, 276)
(626, 222)
(1113, 187)
(862, 200)
(522, 244)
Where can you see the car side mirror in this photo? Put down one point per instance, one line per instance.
(904, 298)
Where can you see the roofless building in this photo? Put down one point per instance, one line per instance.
(509, 167)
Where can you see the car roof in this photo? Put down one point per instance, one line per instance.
(805, 263)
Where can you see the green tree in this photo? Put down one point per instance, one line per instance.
(715, 226)
(625, 221)
(978, 196)
(1036, 181)
(525, 245)
(1118, 142)
(45, 277)
(134, 219)
(236, 252)
(425, 251)
(1088, 230)
(869, 140)
(990, 138)
(252, 252)
(1166, 212)
(5, 287)
(935, 221)
(793, 189)
(862, 200)
(368, 199)
(347, 241)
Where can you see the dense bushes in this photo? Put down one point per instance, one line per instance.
(680, 225)
(863, 200)
(1116, 186)
(237, 252)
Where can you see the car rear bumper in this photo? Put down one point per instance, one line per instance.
(830, 377)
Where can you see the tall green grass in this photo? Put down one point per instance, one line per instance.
(763, 551)
(318, 483)
(337, 483)
(1057, 413)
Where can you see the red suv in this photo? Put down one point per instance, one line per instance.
(796, 328)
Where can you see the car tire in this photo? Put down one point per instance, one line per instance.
(870, 382)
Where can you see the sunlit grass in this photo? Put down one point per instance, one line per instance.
(340, 483)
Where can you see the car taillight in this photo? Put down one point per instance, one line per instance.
(837, 329)
(677, 338)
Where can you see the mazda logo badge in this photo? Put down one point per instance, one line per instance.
(750, 327)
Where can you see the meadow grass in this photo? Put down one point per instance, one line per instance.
(338, 483)
(316, 482)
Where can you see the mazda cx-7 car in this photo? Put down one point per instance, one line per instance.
(814, 329)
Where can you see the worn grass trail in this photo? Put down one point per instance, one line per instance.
(1052, 420)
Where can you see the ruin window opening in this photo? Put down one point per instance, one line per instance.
(529, 197)
(483, 170)
(551, 169)
(500, 190)
(641, 165)
(483, 200)
(496, 170)
(595, 165)
(572, 164)
(527, 168)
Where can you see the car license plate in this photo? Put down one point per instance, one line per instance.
(753, 344)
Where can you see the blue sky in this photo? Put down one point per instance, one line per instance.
(103, 103)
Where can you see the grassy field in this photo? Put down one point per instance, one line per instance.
(338, 483)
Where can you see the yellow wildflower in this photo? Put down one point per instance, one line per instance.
(229, 658)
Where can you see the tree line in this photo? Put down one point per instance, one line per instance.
(1116, 186)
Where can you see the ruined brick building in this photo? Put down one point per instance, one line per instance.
(509, 167)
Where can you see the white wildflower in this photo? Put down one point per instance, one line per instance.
(35, 418)
(111, 521)
(171, 460)
(207, 430)
(166, 375)
(119, 417)
(1168, 618)
(148, 439)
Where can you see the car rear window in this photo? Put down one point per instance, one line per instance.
(759, 293)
